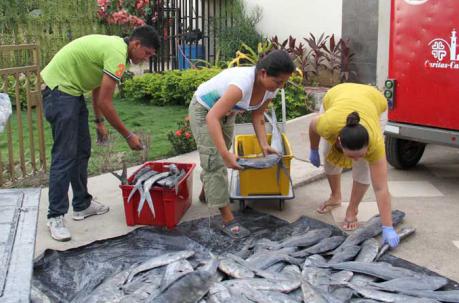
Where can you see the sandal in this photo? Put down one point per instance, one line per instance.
(235, 230)
(350, 225)
(327, 207)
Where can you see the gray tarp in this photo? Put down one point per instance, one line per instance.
(62, 275)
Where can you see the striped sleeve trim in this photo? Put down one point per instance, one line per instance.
(112, 75)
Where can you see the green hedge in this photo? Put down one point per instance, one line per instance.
(177, 88)
(174, 87)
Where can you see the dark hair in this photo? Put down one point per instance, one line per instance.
(147, 36)
(275, 63)
(353, 136)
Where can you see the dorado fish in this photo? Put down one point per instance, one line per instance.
(345, 253)
(140, 173)
(266, 260)
(381, 269)
(234, 269)
(146, 192)
(307, 239)
(321, 247)
(138, 184)
(174, 271)
(264, 284)
(368, 251)
(191, 287)
(412, 283)
(171, 180)
(403, 233)
(372, 293)
(159, 261)
(371, 229)
(260, 162)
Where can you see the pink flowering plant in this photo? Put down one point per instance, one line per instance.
(182, 139)
(124, 12)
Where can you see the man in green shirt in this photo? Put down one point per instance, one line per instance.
(93, 63)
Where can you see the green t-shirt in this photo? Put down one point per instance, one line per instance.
(79, 66)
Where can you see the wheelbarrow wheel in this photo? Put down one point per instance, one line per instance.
(242, 205)
(281, 204)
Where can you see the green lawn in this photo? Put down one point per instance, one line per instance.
(146, 120)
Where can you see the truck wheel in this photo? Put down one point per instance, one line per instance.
(403, 154)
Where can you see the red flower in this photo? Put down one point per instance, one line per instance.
(187, 135)
(178, 133)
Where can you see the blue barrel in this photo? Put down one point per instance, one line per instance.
(190, 52)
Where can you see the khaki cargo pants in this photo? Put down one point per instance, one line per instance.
(214, 175)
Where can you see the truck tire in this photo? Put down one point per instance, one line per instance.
(403, 154)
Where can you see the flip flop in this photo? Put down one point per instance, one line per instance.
(327, 207)
(235, 230)
(346, 223)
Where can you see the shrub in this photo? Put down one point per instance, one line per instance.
(182, 139)
(241, 30)
(297, 102)
(168, 88)
(132, 13)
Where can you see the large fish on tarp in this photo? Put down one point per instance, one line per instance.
(403, 233)
(191, 287)
(370, 229)
(157, 261)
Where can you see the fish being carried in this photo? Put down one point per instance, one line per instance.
(260, 162)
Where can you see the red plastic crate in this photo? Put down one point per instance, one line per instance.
(169, 206)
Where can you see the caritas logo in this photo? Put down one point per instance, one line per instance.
(444, 53)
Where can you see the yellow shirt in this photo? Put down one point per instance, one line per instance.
(338, 103)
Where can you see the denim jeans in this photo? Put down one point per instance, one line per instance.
(68, 117)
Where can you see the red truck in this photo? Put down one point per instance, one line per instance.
(423, 84)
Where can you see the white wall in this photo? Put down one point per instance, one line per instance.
(299, 17)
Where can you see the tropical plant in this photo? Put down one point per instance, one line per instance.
(322, 55)
(317, 52)
(249, 56)
(299, 54)
(333, 56)
(346, 64)
(288, 44)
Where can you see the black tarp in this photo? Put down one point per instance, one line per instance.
(64, 275)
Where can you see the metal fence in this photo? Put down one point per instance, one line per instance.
(190, 28)
(23, 141)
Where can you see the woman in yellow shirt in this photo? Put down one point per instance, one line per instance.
(350, 125)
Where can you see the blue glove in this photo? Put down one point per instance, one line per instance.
(314, 157)
(390, 236)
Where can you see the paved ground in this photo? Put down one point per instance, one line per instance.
(428, 194)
